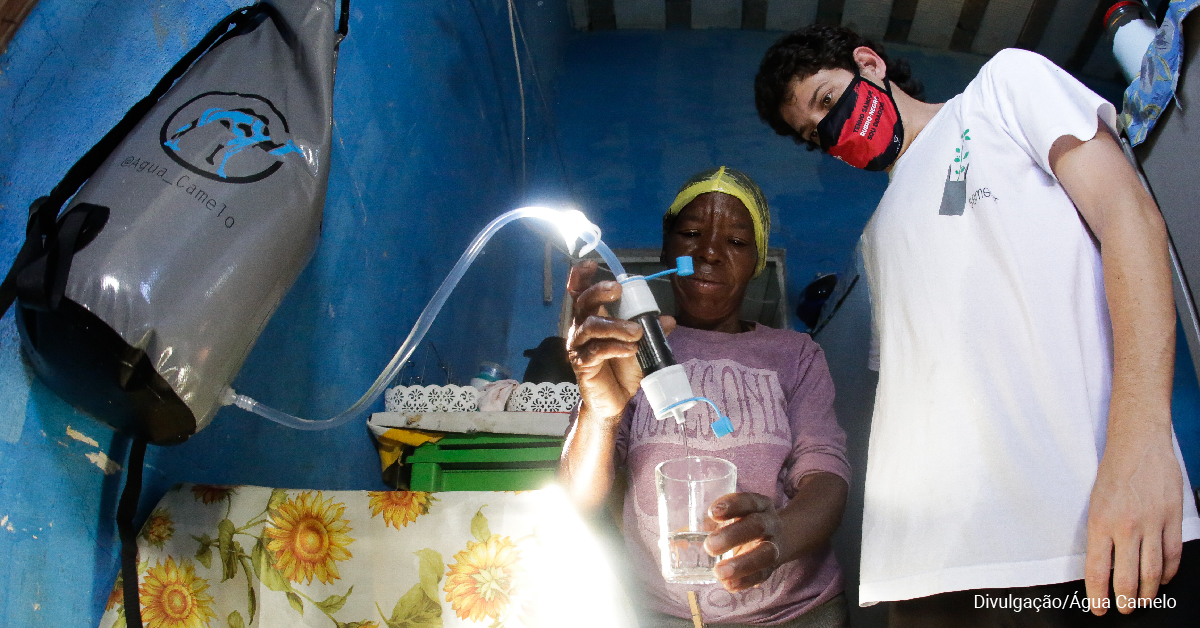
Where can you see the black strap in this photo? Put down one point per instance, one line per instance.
(78, 227)
(39, 222)
(126, 511)
(343, 22)
(44, 262)
(7, 296)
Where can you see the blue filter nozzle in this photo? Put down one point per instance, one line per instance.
(722, 427)
(683, 266)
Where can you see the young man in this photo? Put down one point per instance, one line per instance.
(1022, 300)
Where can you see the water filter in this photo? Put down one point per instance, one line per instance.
(664, 381)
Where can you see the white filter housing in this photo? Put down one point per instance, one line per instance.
(669, 392)
(667, 389)
(636, 298)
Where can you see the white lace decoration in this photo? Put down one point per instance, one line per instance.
(524, 398)
(431, 399)
(544, 398)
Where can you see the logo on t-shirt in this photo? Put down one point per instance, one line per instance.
(954, 194)
(752, 397)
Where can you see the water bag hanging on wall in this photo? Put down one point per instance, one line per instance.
(139, 303)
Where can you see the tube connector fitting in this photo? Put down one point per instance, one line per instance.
(636, 298)
(231, 398)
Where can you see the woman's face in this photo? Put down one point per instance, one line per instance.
(716, 230)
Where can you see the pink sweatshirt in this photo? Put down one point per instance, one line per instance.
(775, 387)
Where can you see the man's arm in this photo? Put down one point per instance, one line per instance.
(1135, 515)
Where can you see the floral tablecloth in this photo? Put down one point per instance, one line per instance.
(253, 556)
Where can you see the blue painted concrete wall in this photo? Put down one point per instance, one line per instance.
(426, 151)
(1185, 407)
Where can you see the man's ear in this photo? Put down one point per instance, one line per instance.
(870, 64)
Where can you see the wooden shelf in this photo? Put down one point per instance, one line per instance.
(532, 423)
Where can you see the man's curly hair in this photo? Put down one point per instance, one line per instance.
(803, 53)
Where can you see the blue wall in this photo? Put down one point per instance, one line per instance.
(426, 151)
(1185, 407)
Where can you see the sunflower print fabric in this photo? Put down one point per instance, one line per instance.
(308, 537)
(174, 597)
(482, 580)
(399, 508)
(221, 556)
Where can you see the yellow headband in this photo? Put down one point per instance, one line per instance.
(738, 185)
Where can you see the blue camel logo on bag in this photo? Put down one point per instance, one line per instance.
(228, 137)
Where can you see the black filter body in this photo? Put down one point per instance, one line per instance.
(653, 353)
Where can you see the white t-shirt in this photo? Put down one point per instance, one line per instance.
(995, 347)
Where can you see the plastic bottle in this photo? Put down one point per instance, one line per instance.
(1131, 28)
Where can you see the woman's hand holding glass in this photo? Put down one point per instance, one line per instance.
(751, 527)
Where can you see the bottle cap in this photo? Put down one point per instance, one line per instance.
(722, 427)
(490, 371)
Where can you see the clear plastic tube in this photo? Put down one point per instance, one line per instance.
(609, 258)
(573, 225)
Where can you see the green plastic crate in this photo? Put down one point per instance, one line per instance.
(485, 462)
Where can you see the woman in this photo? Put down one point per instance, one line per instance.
(773, 384)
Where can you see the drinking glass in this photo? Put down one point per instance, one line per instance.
(686, 487)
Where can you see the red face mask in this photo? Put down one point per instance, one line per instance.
(863, 127)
